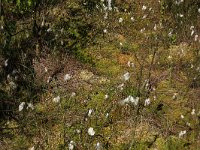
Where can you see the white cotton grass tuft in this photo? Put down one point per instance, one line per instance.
(14, 71)
(182, 117)
(78, 131)
(91, 131)
(13, 85)
(42, 24)
(132, 19)
(169, 57)
(191, 27)
(49, 30)
(196, 38)
(199, 10)
(130, 99)
(155, 27)
(6, 63)
(120, 20)
(71, 145)
(45, 69)
(105, 8)
(21, 106)
(131, 64)
(31, 148)
(106, 15)
(8, 77)
(144, 7)
(121, 86)
(178, 2)
(116, 9)
(98, 146)
(147, 102)
(192, 33)
(107, 114)
(170, 34)
(90, 112)
(181, 15)
(192, 66)
(182, 133)
(174, 96)
(49, 79)
(105, 31)
(30, 105)
(56, 99)
(73, 94)
(144, 17)
(109, 5)
(142, 30)
(188, 124)
(62, 30)
(106, 96)
(161, 25)
(67, 77)
(193, 112)
(126, 76)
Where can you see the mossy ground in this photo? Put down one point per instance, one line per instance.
(97, 73)
(116, 127)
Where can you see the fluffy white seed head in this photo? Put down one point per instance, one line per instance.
(21, 106)
(182, 133)
(120, 20)
(126, 76)
(144, 7)
(56, 99)
(147, 102)
(91, 131)
(67, 77)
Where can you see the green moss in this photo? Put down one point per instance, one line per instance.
(129, 47)
(39, 108)
(97, 100)
(160, 144)
(174, 143)
(108, 67)
(21, 143)
(84, 56)
(123, 128)
(130, 89)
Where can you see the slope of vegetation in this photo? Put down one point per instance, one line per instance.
(90, 74)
